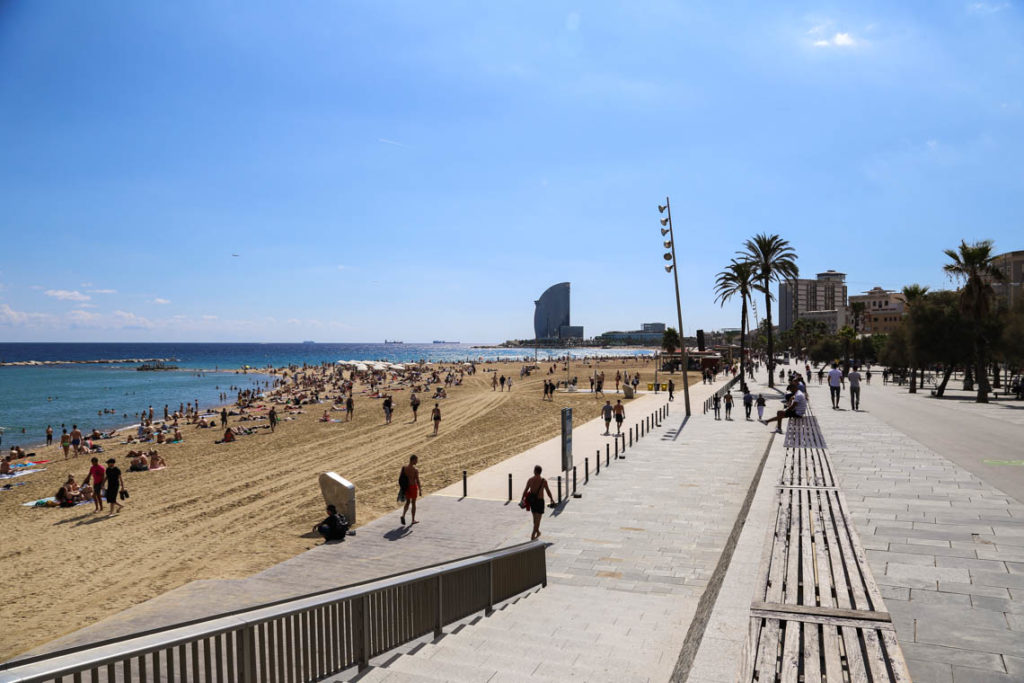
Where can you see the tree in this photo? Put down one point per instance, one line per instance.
(914, 295)
(857, 308)
(975, 266)
(939, 334)
(737, 280)
(670, 340)
(773, 260)
(846, 336)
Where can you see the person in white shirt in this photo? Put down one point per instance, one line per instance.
(854, 378)
(796, 407)
(835, 381)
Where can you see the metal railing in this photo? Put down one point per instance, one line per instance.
(300, 639)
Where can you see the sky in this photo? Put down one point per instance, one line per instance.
(345, 171)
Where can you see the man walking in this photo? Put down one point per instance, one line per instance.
(835, 382)
(606, 412)
(410, 478)
(435, 417)
(854, 378)
(620, 415)
(533, 498)
(272, 418)
(671, 390)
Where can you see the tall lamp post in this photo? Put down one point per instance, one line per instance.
(674, 269)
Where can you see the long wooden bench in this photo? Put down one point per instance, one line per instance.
(817, 614)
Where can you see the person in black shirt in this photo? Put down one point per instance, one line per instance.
(113, 481)
(334, 527)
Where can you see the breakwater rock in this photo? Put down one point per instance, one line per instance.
(99, 361)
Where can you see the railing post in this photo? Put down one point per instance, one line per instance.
(573, 481)
(439, 619)
(510, 487)
(490, 588)
(464, 483)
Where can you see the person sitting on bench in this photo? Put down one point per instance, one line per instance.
(796, 407)
(334, 527)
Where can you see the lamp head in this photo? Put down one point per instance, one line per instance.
(668, 244)
(664, 221)
(661, 209)
(664, 231)
(668, 268)
(668, 256)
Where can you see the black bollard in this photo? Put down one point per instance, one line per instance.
(463, 483)
(630, 437)
(623, 456)
(510, 487)
(559, 489)
(598, 458)
(616, 448)
(607, 453)
(574, 494)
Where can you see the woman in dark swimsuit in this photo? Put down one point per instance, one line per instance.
(113, 480)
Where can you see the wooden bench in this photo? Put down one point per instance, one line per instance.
(817, 614)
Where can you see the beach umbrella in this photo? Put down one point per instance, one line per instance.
(361, 367)
(398, 366)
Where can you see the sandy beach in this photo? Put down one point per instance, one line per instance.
(229, 510)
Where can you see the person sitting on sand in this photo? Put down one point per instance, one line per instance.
(140, 463)
(86, 492)
(156, 461)
(71, 486)
(177, 435)
(326, 417)
(229, 436)
(160, 438)
(5, 466)
(202, 423)
(63, 498)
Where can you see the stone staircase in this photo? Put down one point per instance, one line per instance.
(556, 633)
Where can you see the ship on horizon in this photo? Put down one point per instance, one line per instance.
(393, 341)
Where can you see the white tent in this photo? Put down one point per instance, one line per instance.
(360, 367)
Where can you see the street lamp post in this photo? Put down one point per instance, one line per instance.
(674, 269)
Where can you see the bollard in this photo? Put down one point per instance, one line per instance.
(463, 483)
(586, 471)
(607, 451)
(574, 481)
(510, 487)
(630, 437)
(616, 448)
(598, 458)
(559, 489)
(623, 456)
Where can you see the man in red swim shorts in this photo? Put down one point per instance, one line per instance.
(412, 488)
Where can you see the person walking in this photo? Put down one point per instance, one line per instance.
(760, 407)
(409, 480)
(835, 382)
(114, 483)
(96, 475)
(748, 402)
(386, 404)
(272, 418)
(607, 412)
(716, 403)
(728, 405)
(671, 390)
(49, 435)
(350, 407)
(414, 403)
(854, 378)
(620, 415)
(223, 417)
(76, 439)
(533, 498)
(65, 442)
(435, 416)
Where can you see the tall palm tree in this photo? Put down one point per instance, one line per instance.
(914, 295)
(773, 260)
(975, 265)
(738, 279)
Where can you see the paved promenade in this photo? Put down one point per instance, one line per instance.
(946, 547)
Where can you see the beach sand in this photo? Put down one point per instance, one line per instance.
(230, 510)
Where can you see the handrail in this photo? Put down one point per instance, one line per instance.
(303, 638)
(709, 402)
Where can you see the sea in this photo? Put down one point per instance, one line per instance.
(113, 394)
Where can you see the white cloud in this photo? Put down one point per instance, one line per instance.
(87, 305)
(103, 291)
(342, 267)
(838, 40)
(66, 295)
(158, 300)
(987, 7)
(86, 284)
(9, 316)
(126, 319)
(209, 317)
(78, 316)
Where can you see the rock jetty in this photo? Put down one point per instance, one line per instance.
(100, 361)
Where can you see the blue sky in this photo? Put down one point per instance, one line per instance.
(418, 170)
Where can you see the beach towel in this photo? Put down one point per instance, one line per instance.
(31, 463)
(42, 503)
(20, 473)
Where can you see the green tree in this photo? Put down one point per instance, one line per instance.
(670, 340)
(738, 280)
(939, 334)
(846, 337)
(914, 295)
(857, 308)
(774, 260)
(974, 265)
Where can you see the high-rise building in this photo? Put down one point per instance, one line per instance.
(823, 298)
(551, 315)
(883, 310)
(1008, 292)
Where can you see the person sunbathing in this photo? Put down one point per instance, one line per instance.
(5, 466)
(326, 417)
(71, 486)
(160, 438)
(140, 463)
(229, 436)
(177, 435)
(156, 461)
(95, 434)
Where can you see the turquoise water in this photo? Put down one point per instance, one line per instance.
(35, 396)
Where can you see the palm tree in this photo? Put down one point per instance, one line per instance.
(773, 260)
(914, 295)
(975, 265)
(738, 279)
